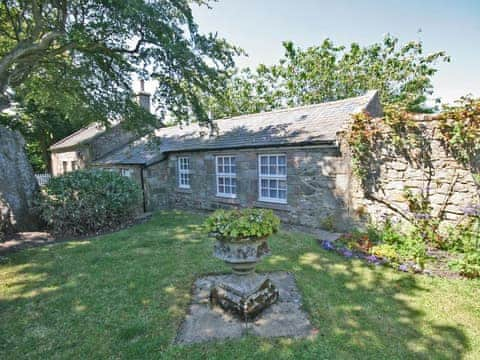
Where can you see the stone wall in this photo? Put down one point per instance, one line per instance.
(80, 155)
(427, 169)
(18, 185)
(110, 140)
(317, 179)
(323, 192)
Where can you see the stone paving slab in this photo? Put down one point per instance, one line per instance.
(206, 323)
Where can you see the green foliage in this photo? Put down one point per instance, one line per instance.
(241, 225)
(390, 242)
(328, 223)
(76, 57)
(126, 294)
(361, 139)
(88, 201)
(396, 127)
(386, 251)
(460, 127)
(41, 128)
(464, 237)
(468, 265)
(402, 73)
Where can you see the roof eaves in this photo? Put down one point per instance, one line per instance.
(58, 144)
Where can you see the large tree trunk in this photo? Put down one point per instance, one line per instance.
(18, 185)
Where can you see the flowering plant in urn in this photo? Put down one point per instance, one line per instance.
(241, 241)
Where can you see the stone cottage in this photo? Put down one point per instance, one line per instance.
(286, 160)
(92, 142)
(294, 161)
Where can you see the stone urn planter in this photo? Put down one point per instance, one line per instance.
(244, 292)
(242, 256)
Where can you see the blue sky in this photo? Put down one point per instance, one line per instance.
(260, 26)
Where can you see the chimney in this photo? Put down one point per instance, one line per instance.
(143, 98)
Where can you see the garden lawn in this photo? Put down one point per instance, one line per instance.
(124, 295)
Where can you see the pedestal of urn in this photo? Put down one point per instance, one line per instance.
(244, 292)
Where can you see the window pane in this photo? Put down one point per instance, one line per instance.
(282, 160)
(221, 189)
(264, 192)
(282, 194)
(273, 184)
(273, 193)
(263, 160)
(264, 183)
(220, 180)
(227, 181)
(264, 170)
(282, 184)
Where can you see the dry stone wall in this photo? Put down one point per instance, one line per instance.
(428, 169)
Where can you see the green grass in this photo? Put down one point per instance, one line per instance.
(124, 295)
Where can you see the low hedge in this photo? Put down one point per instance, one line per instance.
(88, 201)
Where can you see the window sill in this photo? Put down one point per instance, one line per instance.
(184, 190)
(272, 205)
(227, 200)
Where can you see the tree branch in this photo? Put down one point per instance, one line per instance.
(24, 49)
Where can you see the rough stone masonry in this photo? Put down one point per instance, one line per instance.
(17, 183)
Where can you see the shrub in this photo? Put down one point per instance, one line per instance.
(387, 241)
(88, 201)
(385, 251)
(469, 265)
(242, 225)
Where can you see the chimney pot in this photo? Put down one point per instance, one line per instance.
(143, 98)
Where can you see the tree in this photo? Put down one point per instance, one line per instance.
(402, 74)
(41, 127)
(76, 57)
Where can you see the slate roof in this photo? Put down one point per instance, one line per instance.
(82, 136)
(312, 124)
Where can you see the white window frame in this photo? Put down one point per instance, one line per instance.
(126, 172)
(224, 175)
(183, 171)
(278, 177)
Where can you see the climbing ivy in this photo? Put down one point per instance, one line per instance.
(396, 127)
(460, 128)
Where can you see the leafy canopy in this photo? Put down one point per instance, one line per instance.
(76, 57)
(401, 72)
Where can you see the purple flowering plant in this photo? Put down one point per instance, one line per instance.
(328, 245)
(403, 267)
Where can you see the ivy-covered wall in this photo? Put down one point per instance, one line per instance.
(411, 175)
